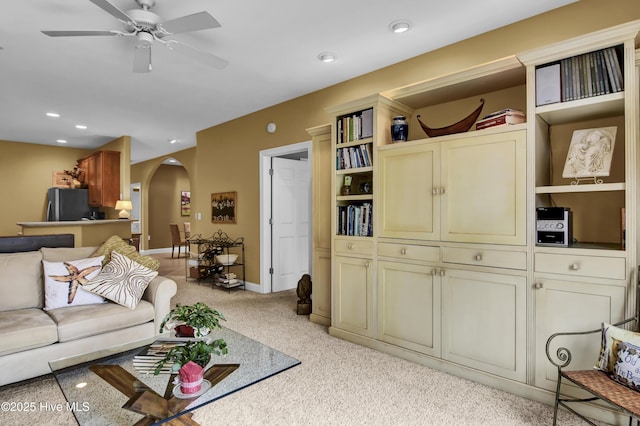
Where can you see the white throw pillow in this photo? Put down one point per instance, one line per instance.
(64, 281)
(122, 281)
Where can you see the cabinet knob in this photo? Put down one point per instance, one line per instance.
(350, 246)
(403, 251)
(538, 285)
(434, 191)
(575, 267)
(478, 257)
(441, 190)
(366, 264)
(434, 272)
(442, 272)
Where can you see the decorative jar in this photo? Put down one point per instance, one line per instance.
(399, 129)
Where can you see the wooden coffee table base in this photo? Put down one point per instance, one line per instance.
(145, 401)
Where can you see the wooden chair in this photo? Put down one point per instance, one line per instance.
(176, 239)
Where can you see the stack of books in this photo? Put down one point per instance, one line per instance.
(503, 117)
(228, 278)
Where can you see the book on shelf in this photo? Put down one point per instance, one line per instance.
(512, 111)
(354, 220)
(227, 280)
(356, 126)
(582, 76)
(353, 157)
(504, 119)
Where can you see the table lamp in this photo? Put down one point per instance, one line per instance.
(123, 206)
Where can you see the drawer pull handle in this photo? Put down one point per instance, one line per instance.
(575, 267)
(403, 251)
(478, 257)
(350, 246)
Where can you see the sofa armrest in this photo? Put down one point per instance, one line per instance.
(159, 292)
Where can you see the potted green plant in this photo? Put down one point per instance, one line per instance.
(189, 361)
(195, 320)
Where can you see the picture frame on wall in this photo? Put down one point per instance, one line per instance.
(185, 203)
(224, 207)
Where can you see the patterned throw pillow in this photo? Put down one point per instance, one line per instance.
(627, 366)
(117, 243)
(608, 355)
(64, 282)
(122, 281)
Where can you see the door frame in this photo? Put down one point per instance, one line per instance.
(265, 205)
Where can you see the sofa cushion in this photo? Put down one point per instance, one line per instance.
(62, 254)
(76, 322)
(122, 280)
(25, 329)
(116, 242)
(21, 281)
(63, 282)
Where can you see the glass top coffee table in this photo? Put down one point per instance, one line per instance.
(96, 390)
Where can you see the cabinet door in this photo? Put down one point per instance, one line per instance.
(572, 306)
(353, 295)
(407, 178)
(409, 306)
(484, 183)
(484, 321)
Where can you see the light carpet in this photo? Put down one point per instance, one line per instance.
(337, 383)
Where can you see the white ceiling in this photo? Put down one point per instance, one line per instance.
(272, 49)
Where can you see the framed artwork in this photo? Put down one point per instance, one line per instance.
(590, 153)
(185, 203)
(223, 207)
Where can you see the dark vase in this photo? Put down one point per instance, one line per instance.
(399, 129)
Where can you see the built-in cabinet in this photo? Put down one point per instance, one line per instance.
(449, 273)
(102, 175)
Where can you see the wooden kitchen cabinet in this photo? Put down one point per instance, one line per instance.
(102, 171)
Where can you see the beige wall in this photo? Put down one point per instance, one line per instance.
(164, 203)
(228, 153)
(26, 172)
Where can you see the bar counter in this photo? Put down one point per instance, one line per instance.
(87, 233)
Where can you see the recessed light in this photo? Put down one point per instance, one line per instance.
(327, 57)
(400, 26)
(81, 126)
(174, 140)
(53, 114)
(61, 141)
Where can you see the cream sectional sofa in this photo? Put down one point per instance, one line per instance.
(30, 336)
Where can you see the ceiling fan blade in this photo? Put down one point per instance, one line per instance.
(142, 59)
(196, 22)
(112, 10)
(74, 33)
(205, 58)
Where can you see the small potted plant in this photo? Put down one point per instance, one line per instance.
(189, 361)
(196, 320)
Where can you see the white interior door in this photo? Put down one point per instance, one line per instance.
(135, 197)
(291, 218)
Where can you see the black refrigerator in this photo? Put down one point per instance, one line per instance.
(68, 204)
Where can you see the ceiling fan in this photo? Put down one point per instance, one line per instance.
(148, 27)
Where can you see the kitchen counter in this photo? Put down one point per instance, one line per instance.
(87, 233)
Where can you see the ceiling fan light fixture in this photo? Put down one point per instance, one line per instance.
(327, 57)
(145, 39)
(399, 26)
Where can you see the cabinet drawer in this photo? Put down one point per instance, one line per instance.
(359, 247)
(485, 257)
(409, 251)
(585, 266)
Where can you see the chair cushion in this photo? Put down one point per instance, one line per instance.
(76, 322)
(21, 281)
(608, 353)
(24, 329)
